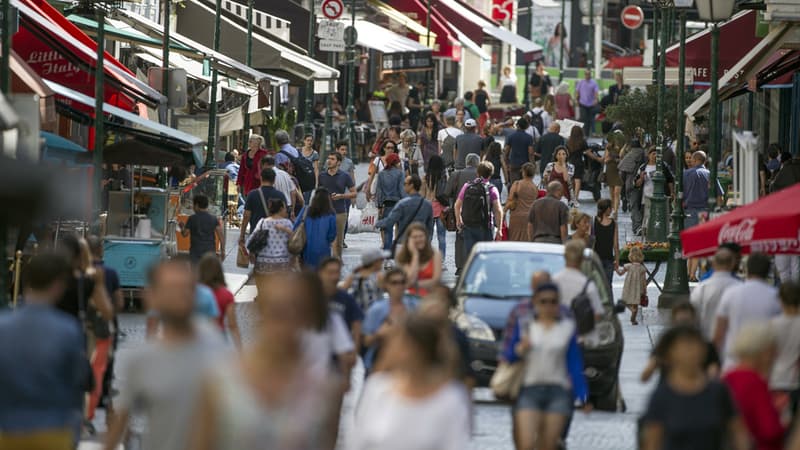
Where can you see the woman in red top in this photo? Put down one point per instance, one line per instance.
(210, 273)
(421, 262)
(249, 176)
(754, 348)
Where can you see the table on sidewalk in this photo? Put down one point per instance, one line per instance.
(658, 256)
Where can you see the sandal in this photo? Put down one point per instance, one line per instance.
(693, 279)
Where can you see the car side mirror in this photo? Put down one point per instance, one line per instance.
(620, 307)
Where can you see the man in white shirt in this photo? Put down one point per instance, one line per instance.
(750, 302)
(447, 140)
(283, 181)
(571, 280)
(707, 295)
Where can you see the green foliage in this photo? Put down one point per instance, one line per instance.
(639, 107)
(282, 119)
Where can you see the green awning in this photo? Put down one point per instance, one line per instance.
(129, 36)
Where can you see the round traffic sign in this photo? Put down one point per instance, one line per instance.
(632, 17)
(350, 35)
(332, 9)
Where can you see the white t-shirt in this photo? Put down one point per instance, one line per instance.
(706, 297)
(386, 420)
(284, 183)
(452, 131)
(751, 302)
(570, 283)
(546, 361)
(785, 371)
(648, 185)
(319, 347)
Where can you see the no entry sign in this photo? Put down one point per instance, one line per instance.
(632, 17)
(332, 9)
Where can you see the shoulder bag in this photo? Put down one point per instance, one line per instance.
(297, 242)
(507, 380)
(258, 240)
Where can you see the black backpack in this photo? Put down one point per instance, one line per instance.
(582, 311)
(537, 121)
(303, 171)
(475, 206)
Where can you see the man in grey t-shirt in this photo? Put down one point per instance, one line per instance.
(163, 378)
(469, 142)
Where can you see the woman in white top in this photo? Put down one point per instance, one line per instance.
(275, 255)
(416, 405)
(409, 152)
(508, 86)
(270, 398)
(552, 374)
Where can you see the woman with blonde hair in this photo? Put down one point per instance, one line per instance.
(635, 286)
(421, 262)
(409, 152)
(581, 224)
(565, 106)
(508, 86)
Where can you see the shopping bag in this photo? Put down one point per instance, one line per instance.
(361, 200)
(242, 258)
(507, 380)
(368, 218)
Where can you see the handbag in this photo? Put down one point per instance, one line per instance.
(297, 242)
(449, 219)
(644, 301)
(258, 241)
(507, 380)
(242, 258)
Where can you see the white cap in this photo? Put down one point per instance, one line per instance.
(470, 123)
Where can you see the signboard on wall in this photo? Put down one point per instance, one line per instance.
(543, 24)
(406, 61)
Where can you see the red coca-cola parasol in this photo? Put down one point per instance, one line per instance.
(770, 225)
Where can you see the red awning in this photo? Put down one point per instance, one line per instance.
(472, 30)
(447, 45)
(57, 50)
(770, 225)
(736, 37)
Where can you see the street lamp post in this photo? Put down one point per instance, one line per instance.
(657, 222)
(249, 62)
(5, 35)
(312, 24)
(99, 132)
(351, 83)
(212, 110)
(676, 283)
(714, 11)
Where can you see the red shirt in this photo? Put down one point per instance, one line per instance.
(751, 394)
(249, 176)
(224, 299)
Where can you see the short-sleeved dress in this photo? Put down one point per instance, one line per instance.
(633, 289)
(275, 256)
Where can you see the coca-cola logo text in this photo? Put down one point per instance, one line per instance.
(739, 232)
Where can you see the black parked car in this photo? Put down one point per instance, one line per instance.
(497, 277)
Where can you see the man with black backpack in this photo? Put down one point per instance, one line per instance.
(302, 168)
(478, 209)
(578, 292)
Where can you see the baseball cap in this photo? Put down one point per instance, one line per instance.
(370, 256)
(470, 123)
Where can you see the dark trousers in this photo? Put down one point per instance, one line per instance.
(461, 256)
(473, 235)
(587, 117)
(635, 203)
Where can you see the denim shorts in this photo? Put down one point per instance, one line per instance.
(693, 217)
(546, 398)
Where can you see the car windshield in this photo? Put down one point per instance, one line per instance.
(507, 274)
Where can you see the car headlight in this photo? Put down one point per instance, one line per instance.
(474, 327)
(602, 335)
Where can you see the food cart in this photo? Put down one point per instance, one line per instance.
(140, 229)
(214, 185)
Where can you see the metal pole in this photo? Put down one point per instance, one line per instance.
(165, 56)
(351, 85)
(249, 62)
(212, 110)
(657, 223)
(328, 137)
(590, 61)
(99, 133)
(428, 74)
(561, 43)
(655, 44)
(713, 128)
(309, 126)
(5, 70)
(676, 282)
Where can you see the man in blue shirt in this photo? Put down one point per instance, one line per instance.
(695, 189)
(412, 208)
(282, 138)
(518, 151)
(44, 370)
(342, 190)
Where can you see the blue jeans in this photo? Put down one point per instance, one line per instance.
(608, 267)
(388, 232)
(498, 183)
(307, 197)
(552, 399)
(693, 216)
(473, 235)
(441, 235)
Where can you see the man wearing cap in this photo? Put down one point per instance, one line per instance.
(469, 142)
